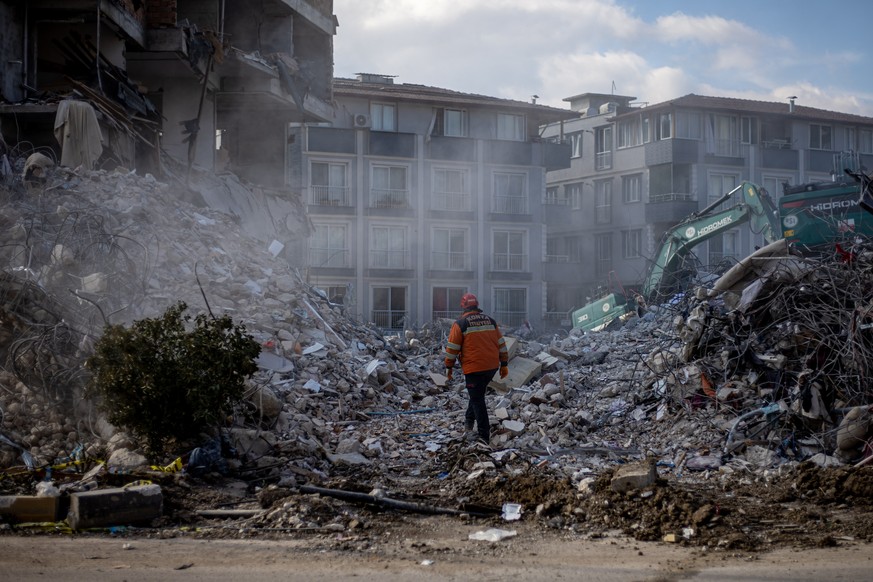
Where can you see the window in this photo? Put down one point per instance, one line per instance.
(329, 246)
(383, 117)
(555, 195)
(445, 301)
(725, 136)
(450, 249)
(574, 194)
(389, 188)
(865, 141)
(647, 130)
(510, 250)
(450, 122)
(602, 254)
(820, 137)
(389, 247)
(450, 191)
(631, 243)
(850, 139)
(689, 125)
(748, 130)
(510, 127)
(575, 141)
(603, 202)
(336, 293)
(328, 185)
(664, 128)
(510, 306)
(603, 148)
(774, 185)
(509, 193)
(722, 184)
(389, 307)
(628, 133)
(632, 188)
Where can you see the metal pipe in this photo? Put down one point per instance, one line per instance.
(765, 410)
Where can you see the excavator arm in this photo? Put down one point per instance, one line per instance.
(678, 242)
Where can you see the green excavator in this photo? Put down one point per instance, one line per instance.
(664, 274)
(814, 217)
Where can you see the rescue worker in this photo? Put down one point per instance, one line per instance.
(476, 340)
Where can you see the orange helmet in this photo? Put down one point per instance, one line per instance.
(469, 300)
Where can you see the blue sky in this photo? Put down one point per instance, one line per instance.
(654, 50)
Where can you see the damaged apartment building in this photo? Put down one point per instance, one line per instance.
(211, 83)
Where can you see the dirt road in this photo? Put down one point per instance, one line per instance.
(430, 549)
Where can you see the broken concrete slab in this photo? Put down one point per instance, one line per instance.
(118, 506)
(634, 476)
(28, 508)
(521, 371)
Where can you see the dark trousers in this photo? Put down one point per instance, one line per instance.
(477, 382)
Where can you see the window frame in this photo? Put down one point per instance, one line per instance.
(377, 116)
(603, 202)
(455, 260)
(628, 195)
(514, 257)
(390, 197)
(389, 254)
(331, 250)
(510, 127)
(632, 243)
(508, 202)
(819, 145)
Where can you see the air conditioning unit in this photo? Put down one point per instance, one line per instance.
(362, 120)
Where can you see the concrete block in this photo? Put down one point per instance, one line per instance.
(118, 506)
(634, 476)
(23, 508)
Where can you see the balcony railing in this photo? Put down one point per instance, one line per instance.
(445, 314)
(389, 198)
(388, 318)
(329, 258)
(329, 196)
(450, 261)
(510, 204)
(603, 161)
(451, 201)
(553, 198)
(389, 259)
(730, 148)
(671, 197)
(510, 262)
(510, 319)
(557, 258)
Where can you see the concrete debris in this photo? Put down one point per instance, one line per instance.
(730, 379)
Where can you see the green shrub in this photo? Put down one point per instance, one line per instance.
(164, 379)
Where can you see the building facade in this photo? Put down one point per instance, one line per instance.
(637, 170)
(210, 82)
(418, 195)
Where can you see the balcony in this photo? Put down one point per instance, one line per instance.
(509, 262)
(388, 319)
(669, 208)
(509, 319)
(559, 269)
(510, 204)
(382, 198)
(452, 201)
(380, 259)
(330, 258)
(330, 196)
(447, 261)
(603, 161)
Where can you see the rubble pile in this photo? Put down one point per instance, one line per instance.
(667, 425)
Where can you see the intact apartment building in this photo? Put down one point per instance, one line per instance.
(211, 82)
(419, 194)
(638, 169)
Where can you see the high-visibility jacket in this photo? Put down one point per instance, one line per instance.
(475, 338)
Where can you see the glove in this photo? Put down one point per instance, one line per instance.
(504, 372)
(448, 373)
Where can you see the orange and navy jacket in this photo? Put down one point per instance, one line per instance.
(475, 338)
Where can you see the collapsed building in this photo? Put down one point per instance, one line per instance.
(736, 386)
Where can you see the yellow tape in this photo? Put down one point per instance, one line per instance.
(137, 483)
(173, 467)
